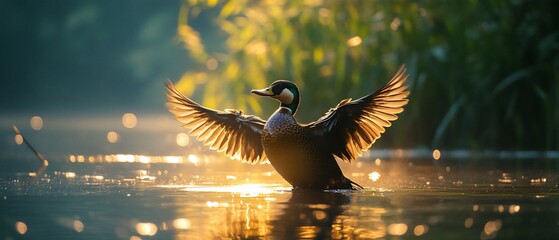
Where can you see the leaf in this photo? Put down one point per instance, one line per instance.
(449, 116)
(511, 79)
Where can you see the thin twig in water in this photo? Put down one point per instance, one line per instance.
(44, 162)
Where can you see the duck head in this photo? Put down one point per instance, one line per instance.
(284, 91)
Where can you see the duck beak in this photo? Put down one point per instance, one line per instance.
(263, 92)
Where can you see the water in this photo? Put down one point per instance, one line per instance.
(223, 199)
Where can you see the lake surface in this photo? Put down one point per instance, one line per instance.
(205, 197)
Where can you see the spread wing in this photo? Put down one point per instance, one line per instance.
(237, 135)
(353, 126)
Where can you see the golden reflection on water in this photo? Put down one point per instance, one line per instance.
(245, 214)
(247, 211)
(244, 190)
(214, 209)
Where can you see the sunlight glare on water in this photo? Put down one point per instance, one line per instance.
(132, 196)
(146, 228)
(181, 223)
(245, 190)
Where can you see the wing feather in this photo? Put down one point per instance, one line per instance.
(229, 131)
(353, 126)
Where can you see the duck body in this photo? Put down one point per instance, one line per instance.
(299, 156)
(305, 155)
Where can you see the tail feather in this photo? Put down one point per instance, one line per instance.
(354, 185)
(343, 183)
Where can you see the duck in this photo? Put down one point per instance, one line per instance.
(305, 155)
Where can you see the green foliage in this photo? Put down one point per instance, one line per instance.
(483, 73)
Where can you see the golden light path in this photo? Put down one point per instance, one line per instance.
(135, 158)
(245, 190)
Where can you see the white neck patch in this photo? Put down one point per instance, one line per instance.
(285, 97)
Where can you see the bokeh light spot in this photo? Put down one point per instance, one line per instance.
(500, 208)
(469, 222)
(212, 64)
(182, 139)
(374, 176)
(492, 226)
(319, 214)
(129, 120)
(112, 137)
(146, 229)
(78, 225)
(436, 154)
(397, 229)
(36, 123)
(18, 139)
(514, 209)
(193, 159)
(420, 230)
(354, 41)
(395, 24)
(21, 227)
(181, 223)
